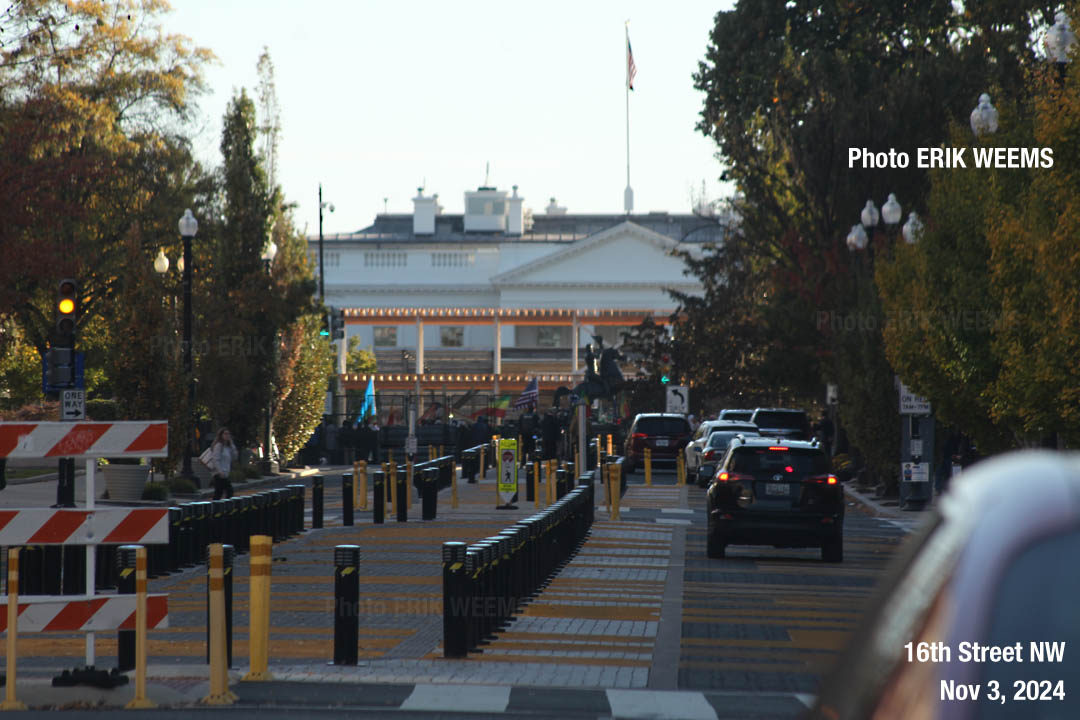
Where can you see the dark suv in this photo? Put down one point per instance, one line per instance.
(782, 422)
(663, 433)
(779, 493)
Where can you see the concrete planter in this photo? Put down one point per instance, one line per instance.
(126, 482)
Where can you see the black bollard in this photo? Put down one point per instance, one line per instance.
(74, 570)
(456, 617)
(228, 556)
(301, 500)
(430, 493)
(176, 516)
(52, 560)
(346, 604)
(317, 502)
(378, 480)
(125, 639)
(347, 499)
(402, 498)
(560, 483)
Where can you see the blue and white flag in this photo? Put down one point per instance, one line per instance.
(368, 408)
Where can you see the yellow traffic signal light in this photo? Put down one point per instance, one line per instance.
(66, 305)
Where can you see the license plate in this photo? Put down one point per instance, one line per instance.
(776, 488)
(661, 442)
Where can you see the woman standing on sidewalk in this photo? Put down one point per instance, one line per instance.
(224, 453)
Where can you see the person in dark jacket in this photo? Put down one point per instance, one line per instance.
(549, 431)
(481, 431)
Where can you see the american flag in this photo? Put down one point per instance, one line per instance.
(529, 396)
(631, 69)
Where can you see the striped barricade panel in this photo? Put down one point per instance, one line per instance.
(86, 613)
(104, 526)
(35, 440)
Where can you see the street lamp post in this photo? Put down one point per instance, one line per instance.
(330, 207)
(268, 255)
(1058, 41)
(188, 227)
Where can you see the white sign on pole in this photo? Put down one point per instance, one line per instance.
(916, 472)
(410, 445)
(832, 394)
(916, 447)
(912, 404)
(73, 405)
(678, 399)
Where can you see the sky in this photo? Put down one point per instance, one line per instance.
(380, 98)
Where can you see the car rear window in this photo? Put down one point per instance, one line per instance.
(662, 426)
(721, 438)
(776, 419)
(802, 460)
(739, 415)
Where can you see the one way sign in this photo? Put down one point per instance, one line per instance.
(73, 405)
(678, 399)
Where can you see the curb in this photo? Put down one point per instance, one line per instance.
(871, 503)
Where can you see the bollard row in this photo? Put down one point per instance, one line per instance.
(486, 583)
(193, 527)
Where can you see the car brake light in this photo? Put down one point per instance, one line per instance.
(709, 455)
(723, 477)
(639, 436)
(778, 447)
(726, 476)
(830, 479)
(789, 469)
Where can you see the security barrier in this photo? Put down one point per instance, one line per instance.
(486, 583)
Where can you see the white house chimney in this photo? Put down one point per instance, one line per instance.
(424, 211)
(515, 219)
(554, 208)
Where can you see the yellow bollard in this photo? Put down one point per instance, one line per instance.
(390, 457)
(259, 614)
(610, 445)
(482, 472)
(453, 487)
(219, 672)
(408, 483)
(140, 701)
(680, 468)
(10, 702)
(361, 485)
(440, 451)
(430, 452)
(536, 482)
(549, 482)
(616, 485)
(648, 467)
(394, 499)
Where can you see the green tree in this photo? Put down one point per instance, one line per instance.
(301, 410)
(790, 87)
(357, 359)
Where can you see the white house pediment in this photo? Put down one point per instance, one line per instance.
(625, 254)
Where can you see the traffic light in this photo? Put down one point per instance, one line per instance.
(61, 356)
(665, 369)
(337, 324)
(324, 330)
(67, 304)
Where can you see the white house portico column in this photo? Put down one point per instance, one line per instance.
(574, 330)
(498, 353)
(419, 365)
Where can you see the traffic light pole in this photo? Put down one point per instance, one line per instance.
(185, 470)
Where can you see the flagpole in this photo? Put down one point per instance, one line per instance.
(628, 194)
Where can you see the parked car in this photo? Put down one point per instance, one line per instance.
(735, 414)
(696, 446)
(993, 563)
(782, 495)
(665, 434)
(700, 439)
(716, 447)
(782, 423)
